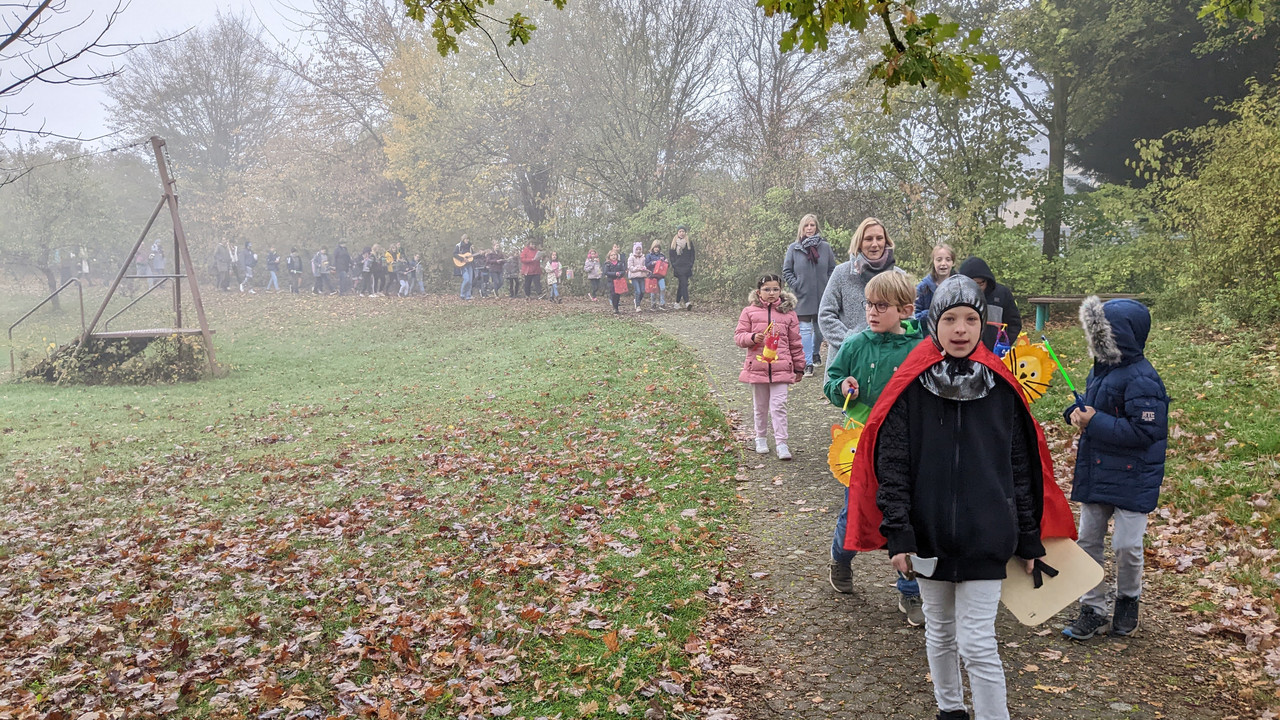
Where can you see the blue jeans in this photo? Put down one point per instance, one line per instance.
(555, 290)
(907, 587)
(273, 282)
(638, 285)
(661, 296)
(468, 275)
(810, 339)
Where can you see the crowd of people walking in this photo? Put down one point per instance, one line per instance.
(538, 273)
(374, 272)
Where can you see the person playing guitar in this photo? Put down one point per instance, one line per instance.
(463, 259)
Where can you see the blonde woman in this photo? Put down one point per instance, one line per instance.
(807, 268)
(842, 311)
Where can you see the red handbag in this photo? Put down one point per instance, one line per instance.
(660, 268)
(651, 285)
(620, 286)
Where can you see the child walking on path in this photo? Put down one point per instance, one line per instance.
(770, 331)
(953, 467)
(860, 371)
(553, 278)
(637, 272)
(594, 272)
(941, 262)
(1001, 309)
(657, 265)
(615, 272)
(1124, 428)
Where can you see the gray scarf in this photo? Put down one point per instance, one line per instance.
(861, 264)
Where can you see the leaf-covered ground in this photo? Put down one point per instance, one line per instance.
(387, 509)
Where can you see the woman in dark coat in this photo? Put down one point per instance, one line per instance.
(682, 255)
(806, 268)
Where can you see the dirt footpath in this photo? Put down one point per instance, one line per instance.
(827, 655)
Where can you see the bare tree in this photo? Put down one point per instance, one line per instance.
(210, 94)
(779, 100)
(44, 41)
(345, 49)
(645, 71)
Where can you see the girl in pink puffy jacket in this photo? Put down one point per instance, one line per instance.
(770, 331)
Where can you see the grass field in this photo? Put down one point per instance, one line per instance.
(386, 507)
(419, 507)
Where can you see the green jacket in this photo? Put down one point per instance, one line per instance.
(870, 358)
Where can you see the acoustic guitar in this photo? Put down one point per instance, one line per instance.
(463, 259)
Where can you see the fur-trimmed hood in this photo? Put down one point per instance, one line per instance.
(786, 303)
(1116, 330)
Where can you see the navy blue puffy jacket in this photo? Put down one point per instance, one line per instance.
(1121, 453)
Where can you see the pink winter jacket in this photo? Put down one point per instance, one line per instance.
(755, 318)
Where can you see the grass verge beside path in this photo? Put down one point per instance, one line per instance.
(387, 508)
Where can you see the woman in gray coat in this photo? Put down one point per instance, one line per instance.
(806, 268)
(843, 310)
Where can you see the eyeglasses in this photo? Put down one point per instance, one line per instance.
(879, 307)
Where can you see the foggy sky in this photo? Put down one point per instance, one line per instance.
(78, 110)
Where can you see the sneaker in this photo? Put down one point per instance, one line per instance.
(253, 292)
(1089, 623)
(688, 306)
(808, 371)
(637, 308)
(840, 575)
(961, 714)
(784, 452)
(913, 607)
(1125, 622)
(762, 446)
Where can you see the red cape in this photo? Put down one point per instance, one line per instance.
(863, 530)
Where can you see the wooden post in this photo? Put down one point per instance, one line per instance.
(180, 241)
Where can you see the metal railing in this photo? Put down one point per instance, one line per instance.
(52, 295)
(107, 324)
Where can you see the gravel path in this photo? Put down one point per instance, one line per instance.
(827, 655)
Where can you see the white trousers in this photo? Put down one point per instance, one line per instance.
(1126, 543)
(960, 624)
(770, 405)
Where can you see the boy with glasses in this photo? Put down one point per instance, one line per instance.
(860, 371)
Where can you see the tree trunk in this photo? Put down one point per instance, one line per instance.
(1051, 214)
(51, 277)
(535, 190)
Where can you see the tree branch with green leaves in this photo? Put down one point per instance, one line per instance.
(456, 17)
(922, 49)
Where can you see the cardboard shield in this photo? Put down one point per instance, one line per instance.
(1077, 573)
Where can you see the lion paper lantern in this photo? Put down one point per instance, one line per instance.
(1031, 365)
(844, 443)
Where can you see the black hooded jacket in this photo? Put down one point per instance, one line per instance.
(998, 296)
(954, 459)
(341, 259)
